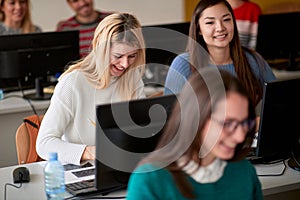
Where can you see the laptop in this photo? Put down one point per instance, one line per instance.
(126, 132)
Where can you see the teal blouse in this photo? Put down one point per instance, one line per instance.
(239, 181)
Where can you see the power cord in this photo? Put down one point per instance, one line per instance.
(15, 186)
(28, 100)
(279, 174)
(22, 96)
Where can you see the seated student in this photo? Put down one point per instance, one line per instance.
(85, 20)
(246, 14)
(111, 72)
(201, 152)
(213, 41)
(15, 17)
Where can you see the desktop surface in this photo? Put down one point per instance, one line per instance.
(35, 188)
(282, 64)
(272, 186)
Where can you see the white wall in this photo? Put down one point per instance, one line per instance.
(46, 13)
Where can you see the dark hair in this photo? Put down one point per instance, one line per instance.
(182, 134)
(240, 61)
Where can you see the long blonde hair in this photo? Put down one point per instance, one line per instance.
(115, 28)
(27, 25)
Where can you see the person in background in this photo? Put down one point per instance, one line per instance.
(246, 14)
(15, 17)
(85, 20)
(214, 41)
(201, 152)
(111, 72)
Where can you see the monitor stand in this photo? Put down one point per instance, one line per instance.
(39, 91)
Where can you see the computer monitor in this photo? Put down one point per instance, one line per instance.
(279, 130)
(278, 40)
(163, 43)
(125, 133)
(28, 58)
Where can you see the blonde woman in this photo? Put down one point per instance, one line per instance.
(15, 17)
(111, 72)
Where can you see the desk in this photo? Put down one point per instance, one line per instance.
(283, 74)
(35, 189)
(285, 187)
(12, 111)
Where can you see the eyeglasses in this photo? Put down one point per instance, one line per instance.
(231, 125)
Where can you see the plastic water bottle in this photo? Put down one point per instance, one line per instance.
(54, 178)
(1, 94)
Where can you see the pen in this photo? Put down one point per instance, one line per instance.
(92, 122)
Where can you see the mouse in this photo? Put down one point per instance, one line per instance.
(21, 175)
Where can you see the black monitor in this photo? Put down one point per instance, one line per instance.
(28, 59)
(278, 40)
(125, 133)
(279, 130)
(163, 43)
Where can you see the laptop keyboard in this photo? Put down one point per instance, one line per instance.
(83, 173)
(82, 187)
(85, 187)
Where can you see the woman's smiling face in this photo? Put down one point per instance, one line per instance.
(216, 26)
(122, 57)
(227, 128)
(14, 10)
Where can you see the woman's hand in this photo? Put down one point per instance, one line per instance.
(89, 153)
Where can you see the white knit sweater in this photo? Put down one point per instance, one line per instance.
(67, 126)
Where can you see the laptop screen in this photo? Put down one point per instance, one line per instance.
(125, 133)
(279, 130)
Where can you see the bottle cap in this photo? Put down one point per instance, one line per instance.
(52, 156)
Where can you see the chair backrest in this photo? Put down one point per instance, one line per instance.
(26, 135)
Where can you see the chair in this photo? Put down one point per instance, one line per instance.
(26, 135)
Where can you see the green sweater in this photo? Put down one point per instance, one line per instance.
(239, 182)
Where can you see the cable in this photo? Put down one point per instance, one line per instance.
(20, 87)
(23, 95)
(15, 186)
(32, 107)
(273, 162)
(279, 174)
